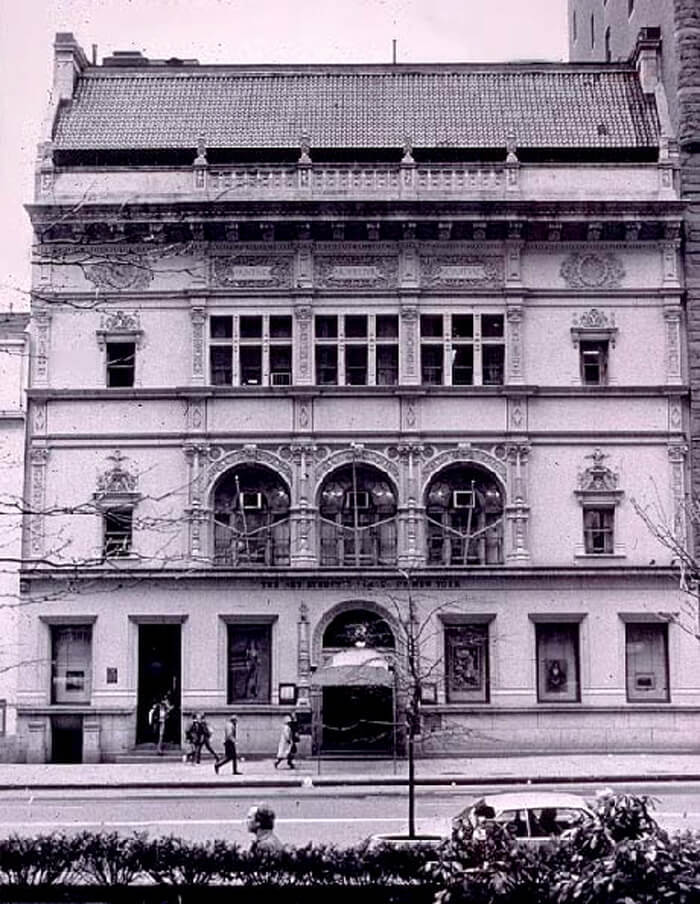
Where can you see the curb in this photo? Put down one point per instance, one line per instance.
(359, 781)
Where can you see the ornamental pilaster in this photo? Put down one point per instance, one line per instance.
(517, 510)
(198, 318)
(514, 342)
(42, 324)
(409, 361)
(411, 528)
(303, 658)
(303, 347)
(677, 453)
(670, 247)
(197, 513)
(302, 513)
(672, 320)
(38, 458)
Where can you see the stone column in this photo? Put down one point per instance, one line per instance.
(197, 512)
(411, 514)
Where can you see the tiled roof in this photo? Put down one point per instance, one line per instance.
(451, 106)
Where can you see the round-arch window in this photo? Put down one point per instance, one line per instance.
(358, 628)
(251, 518)
(464, 514)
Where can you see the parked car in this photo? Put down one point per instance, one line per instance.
(533, 816)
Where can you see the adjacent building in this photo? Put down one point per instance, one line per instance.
(330, 362)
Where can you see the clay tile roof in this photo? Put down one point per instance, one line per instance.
(544, 106)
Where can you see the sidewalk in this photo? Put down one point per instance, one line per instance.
(257, 773)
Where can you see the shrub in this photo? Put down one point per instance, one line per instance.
(41, 860)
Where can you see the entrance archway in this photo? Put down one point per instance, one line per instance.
(355, 688)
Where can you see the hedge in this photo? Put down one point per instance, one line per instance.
(619, 856)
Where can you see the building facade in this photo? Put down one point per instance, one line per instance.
(338, 372)
(14, 356)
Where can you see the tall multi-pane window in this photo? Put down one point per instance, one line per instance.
(646, 654)
(557, 663)
(599, 530)
(356, 349)
(250, 350)
(71, 668)
(118, 532)
(121, 363)
(462, 349)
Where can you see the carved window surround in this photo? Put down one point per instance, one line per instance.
(598, 490)
(120, 326)
(594, 326)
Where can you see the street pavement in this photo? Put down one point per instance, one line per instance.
(259, 773)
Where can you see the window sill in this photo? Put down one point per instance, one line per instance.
(588, 557)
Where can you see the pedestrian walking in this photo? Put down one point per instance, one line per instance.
(287, 747)
(230, 752)
(157, 718)
(261, 822)
(204, 738)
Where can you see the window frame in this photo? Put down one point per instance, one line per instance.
(606, 529)
(635, 695)
(563, 626)
(241, 341)
(248, 625)
(457, 350)
(114, 513)
(356, 351)
(81, 696)
(113, 367)
(477, 626)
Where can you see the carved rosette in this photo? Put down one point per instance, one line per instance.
(355, 272)
(591, 270)
(130, 272)
(252, 271)
(458, 271)
(38, 458)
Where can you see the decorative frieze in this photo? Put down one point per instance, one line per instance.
(130, 271)
(350, 272)
(120, 326)
(251, 271)
(461, 271)
(592, 271)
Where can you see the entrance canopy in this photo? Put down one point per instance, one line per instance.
(355, 666)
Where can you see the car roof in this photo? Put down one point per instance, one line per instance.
(522, 800)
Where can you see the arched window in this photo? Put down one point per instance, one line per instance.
(464, 508)
(357, 518)
(251, 518)
(358, 628)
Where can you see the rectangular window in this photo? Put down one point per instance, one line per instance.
(249, 663)
(118, 532)
(472, 344)
(599, 530)
(466, 663)
(646, 651)
(356, 349)
(594, 363)
(121, 363)
(250, 350)
(71, 666)
(557, 663)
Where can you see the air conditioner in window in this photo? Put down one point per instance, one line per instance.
(359, 500)
(281, 378)
(463, 499)
(252, 502)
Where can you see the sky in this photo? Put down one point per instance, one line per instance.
(234, 31)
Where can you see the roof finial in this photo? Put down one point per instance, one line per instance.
(407, 150)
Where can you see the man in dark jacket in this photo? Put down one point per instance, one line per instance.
(261, 822)
(230, 752)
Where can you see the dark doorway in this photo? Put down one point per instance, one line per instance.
(67, 739)
(358, 719)
(159, 674)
